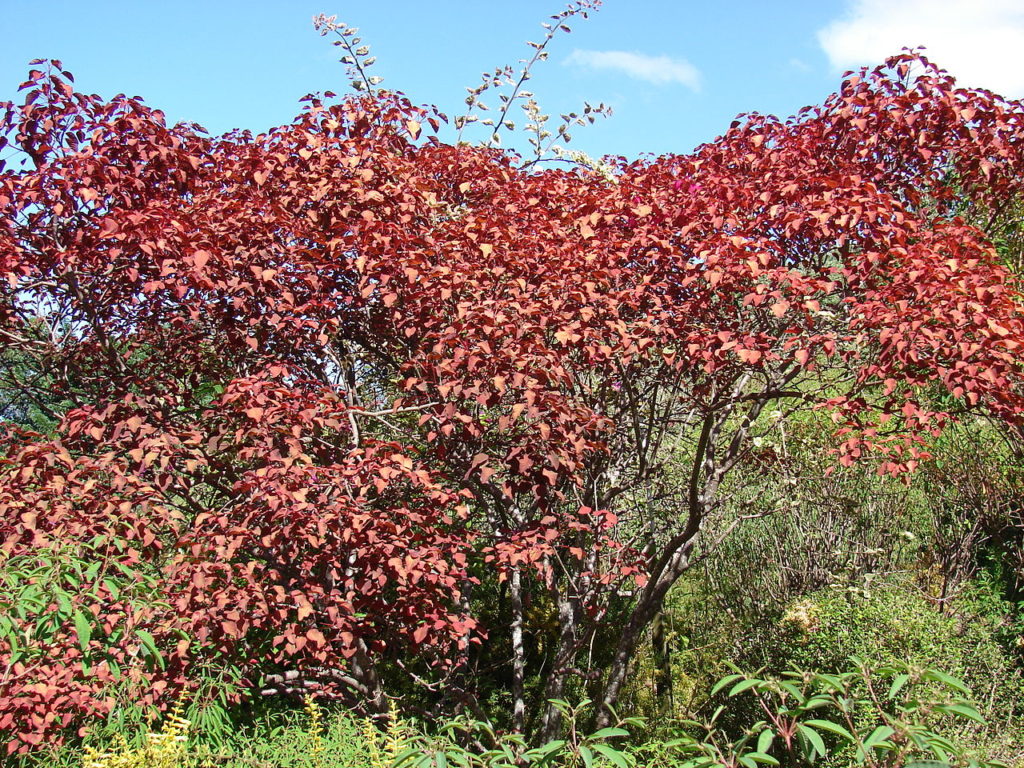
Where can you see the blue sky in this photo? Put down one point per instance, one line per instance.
(675, 73)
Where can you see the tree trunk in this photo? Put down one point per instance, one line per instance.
(629, 640)
(518, 653)
(662, 663)
(568, 645)
(365, 672)
(650, 604)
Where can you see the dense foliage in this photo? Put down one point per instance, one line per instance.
(343, 408)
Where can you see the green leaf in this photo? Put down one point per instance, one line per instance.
(832, 681)
(405, 756)
(546, 749)
(795, 692)
(948, 680)
(587, 755)
(877, 737)
(746, 685)
(817, 702)
(761, 757)
(63, 603)
(561, 705)
(613, 755)
(149, 644)
(126, 570)
(725, 681)
(608, 733)
(83, 630)
(898, 682)
(964, 709)
(686, 740)
(113, 588)
(940, 746)
(830, 727)
(764, 741)
(814, 738)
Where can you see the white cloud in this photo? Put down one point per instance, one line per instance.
(660, 70)
(980, 42)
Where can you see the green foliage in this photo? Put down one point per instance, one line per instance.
(318, 737)
(895, 715)
(166, 748)
(899, 622)
(475, 744)
(875, 716)
(308, 738)
(46, 592)
(896, 622)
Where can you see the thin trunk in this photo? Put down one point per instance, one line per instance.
(568, 645)
(518, 653)
(618, 670)
(662, 663)
(649, 606)
(365, 672)
(706, 474)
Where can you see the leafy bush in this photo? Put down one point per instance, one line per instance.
(877, 717)
(896, 622)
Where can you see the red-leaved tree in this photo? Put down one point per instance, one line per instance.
(316, 400)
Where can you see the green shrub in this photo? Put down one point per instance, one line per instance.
(897, 622)
(894, 716)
